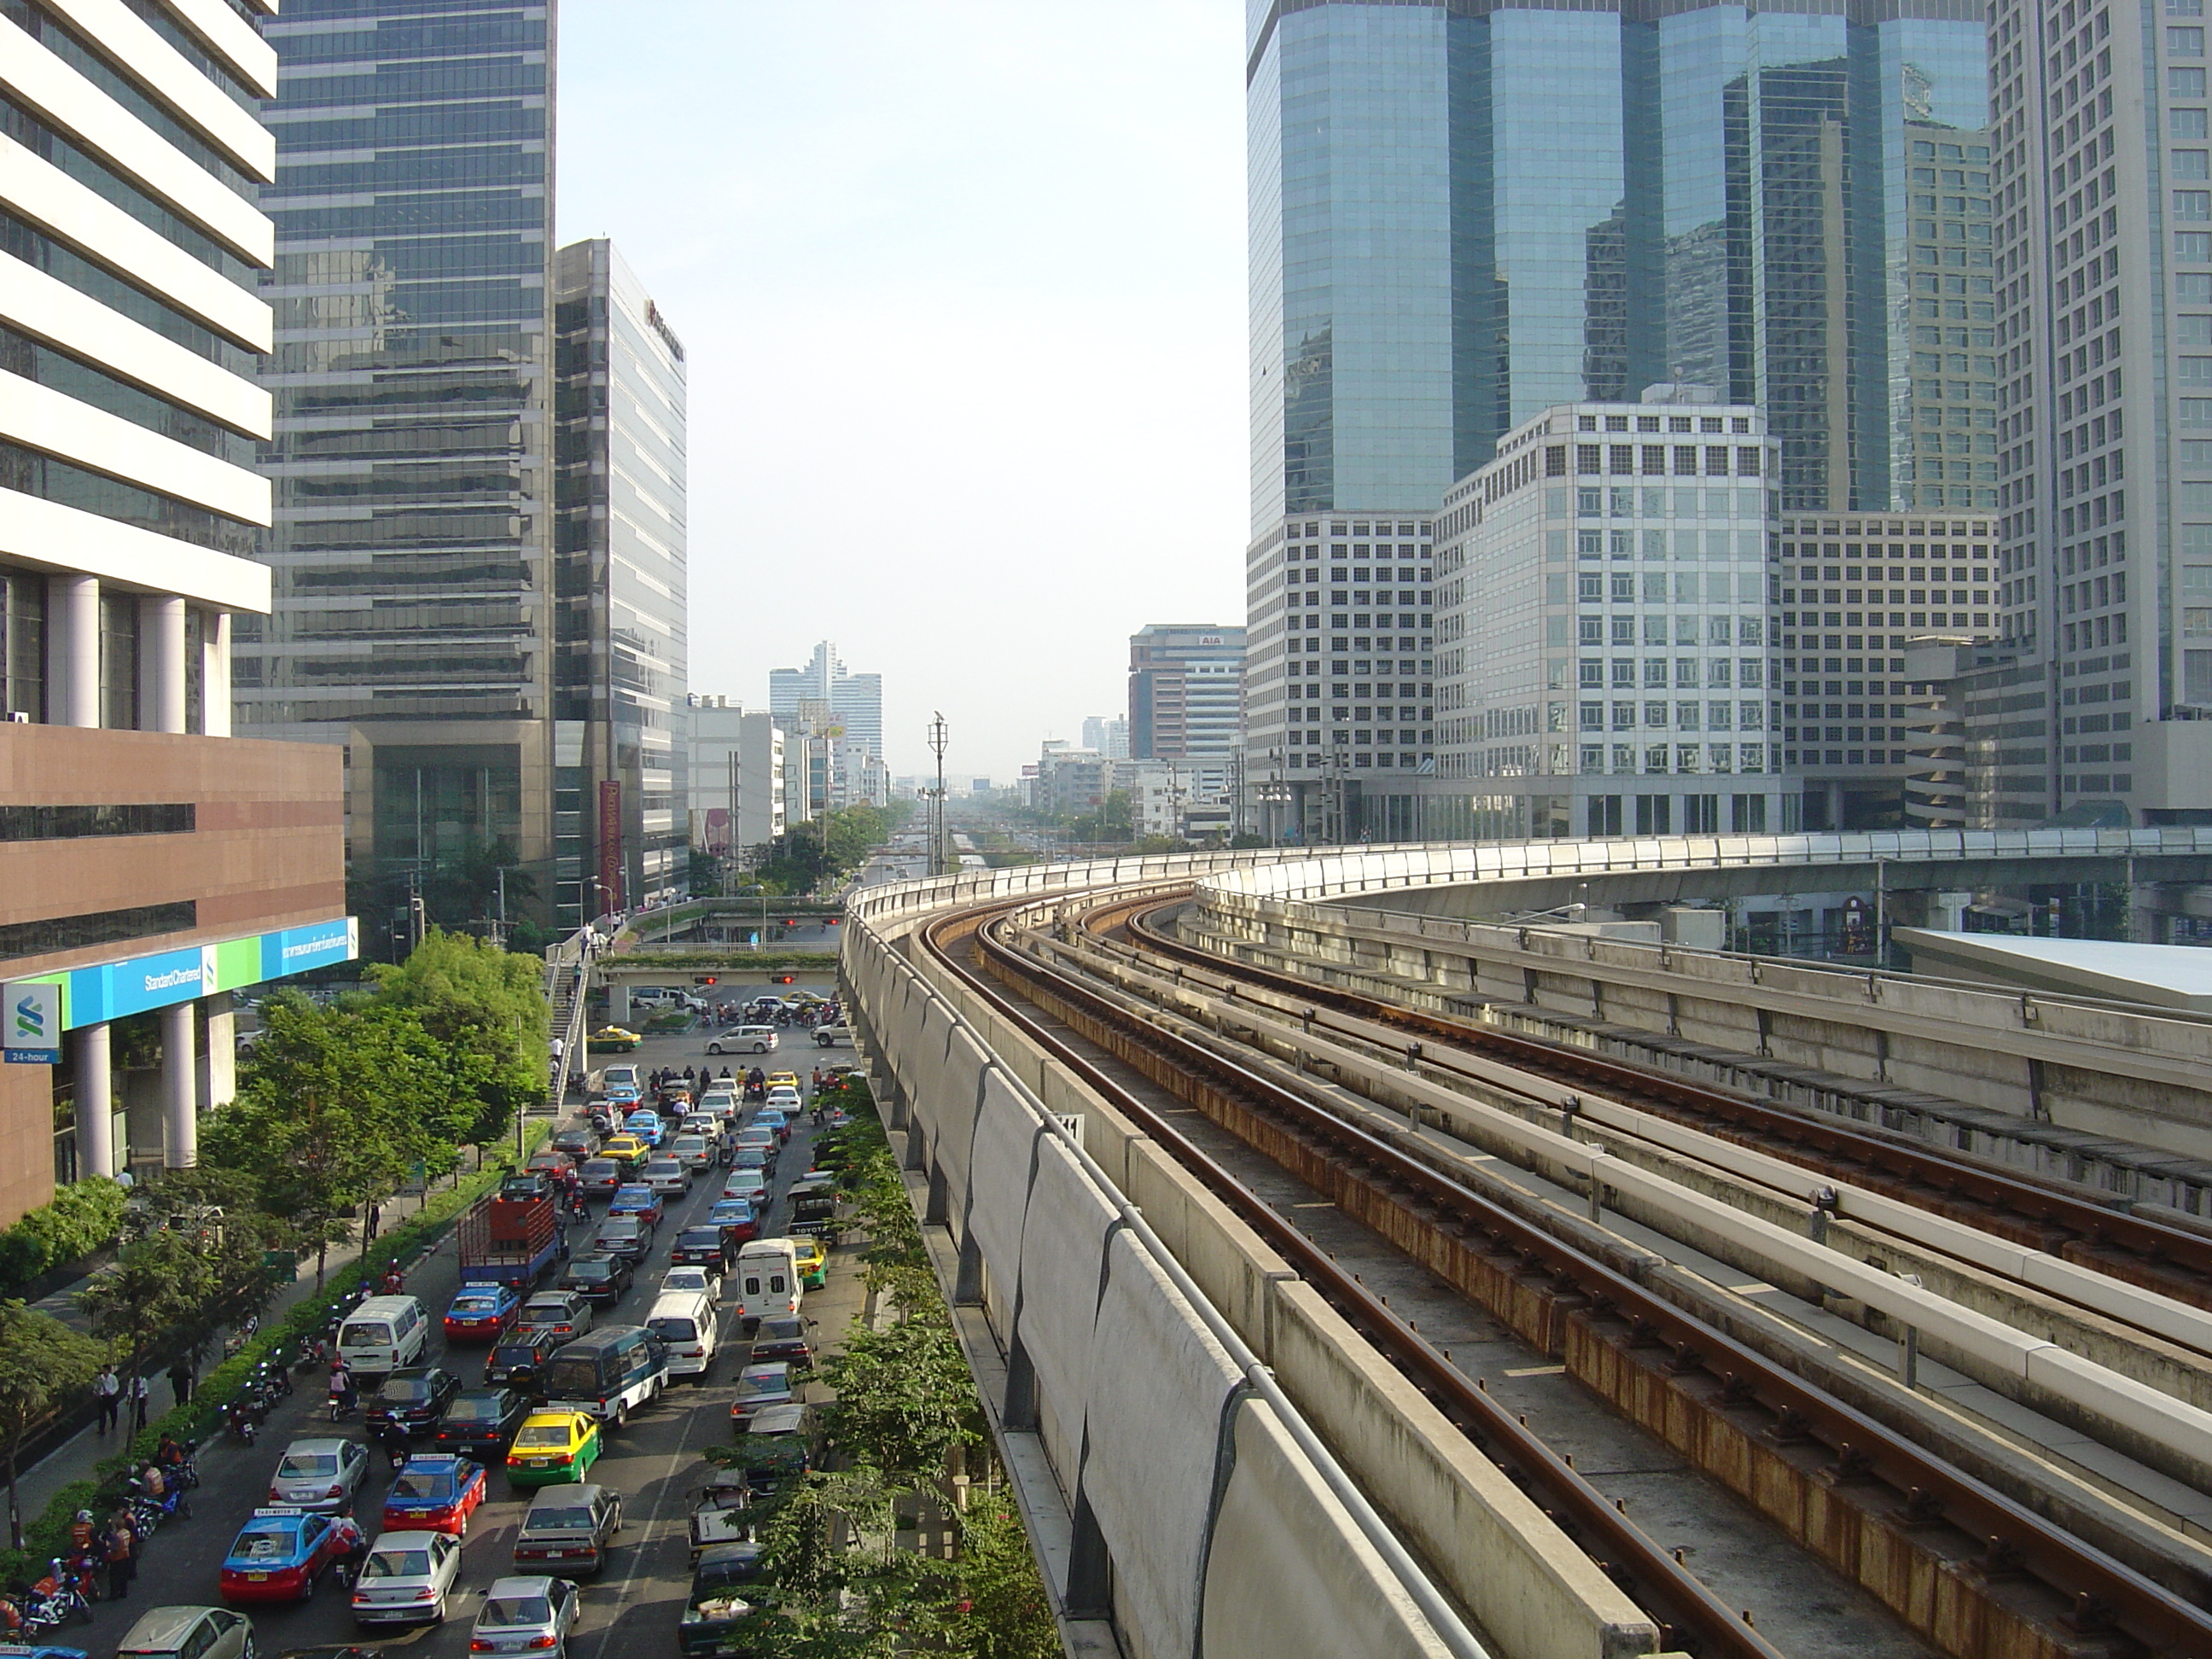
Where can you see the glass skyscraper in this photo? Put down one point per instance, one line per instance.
(412, 451)
(1462, 215)
(620, 810)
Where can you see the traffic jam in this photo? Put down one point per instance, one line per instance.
(509, 1431)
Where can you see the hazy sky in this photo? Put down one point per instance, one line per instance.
(962, 290)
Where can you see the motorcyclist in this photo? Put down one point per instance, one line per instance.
(393, 1281)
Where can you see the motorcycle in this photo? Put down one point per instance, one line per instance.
(314, 1354)
(171, 1503)
(54, 1601)
(241, 1421)
(239, 1337)
(344, 1396)
(397, 1443)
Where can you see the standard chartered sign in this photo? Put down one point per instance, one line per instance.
(33, 1015)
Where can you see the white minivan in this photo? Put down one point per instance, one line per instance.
(383, 1333)
(686, 1322)
(768, 1279)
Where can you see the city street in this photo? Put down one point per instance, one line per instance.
(654, 1462)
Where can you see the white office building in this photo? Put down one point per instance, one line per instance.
(1605, 627)
(737, 776)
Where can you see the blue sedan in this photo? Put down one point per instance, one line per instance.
(646, 1126)
(278, 1555)
(434, 1492)
(638, 1200)
(482, 1313)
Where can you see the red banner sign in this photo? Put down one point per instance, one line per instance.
(610, 843)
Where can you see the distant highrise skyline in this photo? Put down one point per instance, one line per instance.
(856, 700)
(1459, 220)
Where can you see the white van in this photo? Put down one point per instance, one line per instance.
(768, 1279)
(383, 1333)
(686, 1322)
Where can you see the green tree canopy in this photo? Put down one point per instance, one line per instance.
(489, 1006)
(44, 1364)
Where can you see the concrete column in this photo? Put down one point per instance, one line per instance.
(180, 1128)
(95, 1101)
(73, 650)
(617, 1004)
(218, 1067)
(215, 673)
(160, 663)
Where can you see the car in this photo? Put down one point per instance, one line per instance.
(668, 1177)
(563, 1312)
(738, 1217)
(756, 1135)
(718, 1614)
(600, 1177)
(414, 1396)
(553, 1446)
(480, 1313)
(551, 1163)
(722, 1511)
(570, 1530)
(783, 1336)
(784, 1095)
(531, 1616)
(481, 1422)
(278, 1554)
(758, 1158)
(188, 1634)
(323, 1473)
(645, 1125)
(517, 1359)
(719, 1101)
(775, 1118)
(629, 1237)
(434, 1491)
(707, 1280)
(407, 1579)
(778, 1447)
(616, 1038)
(626, 1149)
(576, 1144)
(829, 1036)
(744, 1040)
(637, 1199)
(705, 1245)
(744, 1183)
(813, 1262)
(597, 1277)
(622, 1081)
(783, 1080)
(760, 1387)
(694, 1152)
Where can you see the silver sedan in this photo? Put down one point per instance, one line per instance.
(526, 1615)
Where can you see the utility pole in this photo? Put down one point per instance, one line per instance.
(937, 858)
(499, 930)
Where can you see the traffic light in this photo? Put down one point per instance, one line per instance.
(703, 979)
(787, 979)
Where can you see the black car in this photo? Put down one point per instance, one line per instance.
(724, 1599)
(414, 1396)
(579, 1144)
(597, 1278)
(517, 1359)
(481, 1423)
(704, 1247)
(629, 1237)
(782, 1337)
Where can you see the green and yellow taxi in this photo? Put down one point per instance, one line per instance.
(628, 1150)
(620, 1038)
(813, 1262)
(552, 1447)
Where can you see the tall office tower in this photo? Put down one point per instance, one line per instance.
(151, 862)
(2105, 267)
(1186, 691)
(853, 703)
(1464, 216)
(1107, 735)
(619, 585)
(411, 551)
(1606, 646)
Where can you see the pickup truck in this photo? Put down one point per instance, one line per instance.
(512, 1236)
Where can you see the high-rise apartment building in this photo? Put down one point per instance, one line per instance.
(2101, 690)
(1464, 216)
(853, 703)
(1186, 692)
(1607, 654)
(736, 777)
(151, 863)
(413, 449)
(619, 587)
(1107, 735)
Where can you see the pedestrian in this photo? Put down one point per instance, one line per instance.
(560, 1047)
(106, 1389)
(122, 1554)
(140, 1392)
(180, 1382)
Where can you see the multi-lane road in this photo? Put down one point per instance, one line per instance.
(633, 1606)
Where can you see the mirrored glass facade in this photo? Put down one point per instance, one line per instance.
(1462, 215)
(620, 587)
(411, 460)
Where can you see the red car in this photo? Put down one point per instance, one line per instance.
(480, 1313)
(434, 1492)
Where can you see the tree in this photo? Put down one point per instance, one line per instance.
(486, 1005)
(43, 1363)
(337, 1107)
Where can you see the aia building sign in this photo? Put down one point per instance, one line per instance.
(610, 843)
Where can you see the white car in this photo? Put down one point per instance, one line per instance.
(693, 1277)
(667, 1176)
(719, 1103)
(322, 1474)
(408, 1577)
(744, 1040)
(784, 1095)
(694, 1152)
(530, 1616)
